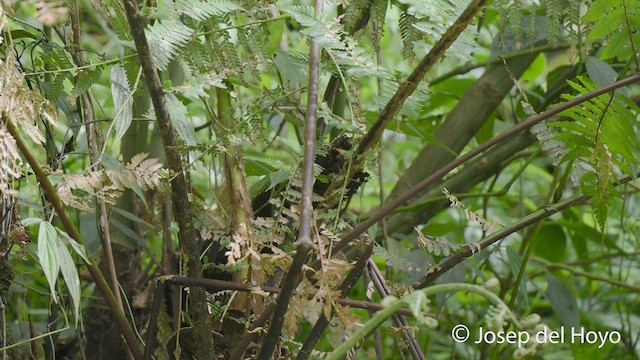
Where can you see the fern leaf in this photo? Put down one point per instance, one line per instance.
(203, 10)
(165, 37)
(621, 24)
(122, 101)
(408, 34)
(600, 137)
(86, 78)
(379, 14)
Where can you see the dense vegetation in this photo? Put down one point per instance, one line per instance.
(229, 179)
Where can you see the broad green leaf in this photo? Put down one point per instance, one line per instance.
(78, 248)
(128, 233)
(562, 300)
(600, 72)
(122, 101)
(551, 243)
(278, 177)
(70, 275)
(48, 255)
(256, 167)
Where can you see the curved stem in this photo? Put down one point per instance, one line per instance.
(383, 315)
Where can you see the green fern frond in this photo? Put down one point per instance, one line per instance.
(378, 15)
(119, 23)
(554, 13)
(54, 88)
(600, 136)
(86, 78)
(623, 22)
(502, 7)
(409, 34)
(203, 10)
(572, 14)
(165, 37)
(515, 18)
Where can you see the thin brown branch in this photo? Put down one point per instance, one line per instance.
(180, 193)
(93, 146)
(399, 320)
(438, 175)
(411, 84)
(304, 243)
(468, 251)
(577, 272)
(98, 278)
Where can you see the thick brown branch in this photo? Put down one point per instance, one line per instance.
(180, 194)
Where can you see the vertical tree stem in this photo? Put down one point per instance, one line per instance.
(304, 242)
(180, 194)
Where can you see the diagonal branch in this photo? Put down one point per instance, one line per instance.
(409, 86)
(53, 198)
(438, 175)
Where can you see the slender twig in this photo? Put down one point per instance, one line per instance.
(411, 84)
(251, 334)
(577, 272)
(304, 243)
(69, 226)
(439, 174)
(543, 213)
(87, 113)
(90, 66)
(468, 251)
(399, 320)
(180, 194)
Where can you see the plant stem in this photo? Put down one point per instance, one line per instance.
(99, 279)
(383, 315)
(438, 175)
(180, 194)
(304, 243)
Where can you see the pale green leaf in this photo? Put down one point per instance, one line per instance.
(48, 255)
(70, 275)
(31, 221)
(122, 100)
(77, 247)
